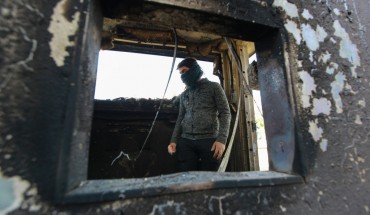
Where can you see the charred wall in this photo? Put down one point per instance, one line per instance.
(122, 125)
(328, 54)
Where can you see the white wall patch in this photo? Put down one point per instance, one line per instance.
(321, 106)
(292, 28)
(358, 120)
(290, 9)
(61, 29)
(325, 57)
(321, 34)
(324, 145)
(336, 11)
(347, 50)
(315, 131)
(313, 37)
(362, 103)
(308, 87)
(311, 57)
(331, 68)
(309, 35)
(336, 89)
(306, 14)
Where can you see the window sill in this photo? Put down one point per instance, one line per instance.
(116, 189)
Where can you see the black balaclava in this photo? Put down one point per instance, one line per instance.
(192, 76)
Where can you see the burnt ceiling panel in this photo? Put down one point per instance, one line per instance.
(149, 28)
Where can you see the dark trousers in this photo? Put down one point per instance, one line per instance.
(196, 155)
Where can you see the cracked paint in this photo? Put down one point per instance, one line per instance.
(308, 87)
(315, 131)
(336, 89)
(347, 50)
(160, 209)
(321, 106)
(12, 193)
(61, 29)
(219, 199)
(32, 51)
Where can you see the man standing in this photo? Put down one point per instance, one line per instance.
(203, 122)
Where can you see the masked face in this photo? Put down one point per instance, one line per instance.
(192, 75)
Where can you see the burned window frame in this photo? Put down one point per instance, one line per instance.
(275, 84)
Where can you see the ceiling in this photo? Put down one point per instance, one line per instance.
(153, 29)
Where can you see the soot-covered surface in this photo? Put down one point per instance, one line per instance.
(120, 126)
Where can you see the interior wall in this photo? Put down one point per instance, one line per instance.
(121, 126)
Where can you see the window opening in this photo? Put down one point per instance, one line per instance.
(74, 181)
(129, 83)
(122, 137)
(140, 76)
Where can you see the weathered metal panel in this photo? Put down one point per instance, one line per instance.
(279, 123)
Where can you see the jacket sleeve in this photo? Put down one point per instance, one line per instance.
(178, 130)
(224, 115)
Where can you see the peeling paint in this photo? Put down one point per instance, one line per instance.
(347, 50)
(290, 9)
(336, 89)
(306, 14)
(12, 193)
(283, 209)
(292, 28)
(336, 11)
(315, 131)
(311, 56)
(349, 88)
(324, 145)
(61, 29)
(362, 103)
(309, 35)
(358, 120)
(299, 63)
(8, 137)
(321, 105)
(308, 87)
(313, 37)
(331, 68)
(321, 34)
(325, 57)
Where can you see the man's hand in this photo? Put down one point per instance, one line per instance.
(219, 149)
(171, 148)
